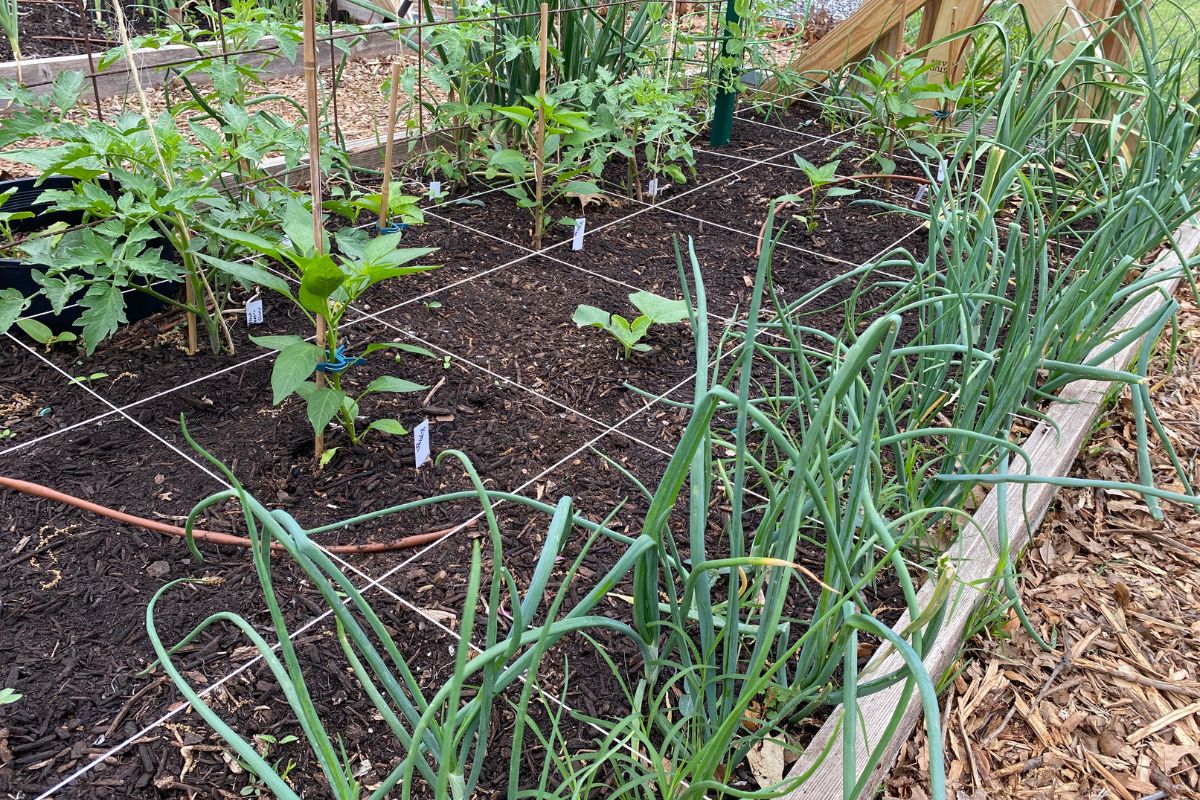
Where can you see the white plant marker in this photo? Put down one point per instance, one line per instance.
(435, 190)
(421, 443)
(653, 190)
(254, 311)
(580, 227)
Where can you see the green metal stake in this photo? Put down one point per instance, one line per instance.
(722, 123)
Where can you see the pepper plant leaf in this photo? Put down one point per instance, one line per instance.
(386, 383)
(388, 426)
(249, 274)
(323, 405)
(293, 367)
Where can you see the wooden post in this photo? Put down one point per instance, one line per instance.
(314, 170)
(389, 148)
(539, 162)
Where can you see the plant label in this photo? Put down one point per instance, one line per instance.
(653, 190)
(421, 443)
(254, 311)
(577, 239)
(435, 189)
(941, 175)
(921, 192)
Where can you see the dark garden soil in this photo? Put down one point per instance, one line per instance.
(66, 28)
(522, 393)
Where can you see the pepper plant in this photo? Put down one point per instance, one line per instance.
(892, 95)
(327, 285)
(566, 130)
(818, 177)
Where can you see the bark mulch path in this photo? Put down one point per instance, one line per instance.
(1116, 714)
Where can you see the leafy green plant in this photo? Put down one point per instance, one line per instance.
(402, 208)
(327, 285)
(819, 177)
(655, 310)
(566, 130)
(895, 97)
(266, 743)
(637, 114)
(143, 186)
(443, 730)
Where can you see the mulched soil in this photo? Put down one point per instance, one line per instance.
(523, 392)
(1111, 711)
(66, 28)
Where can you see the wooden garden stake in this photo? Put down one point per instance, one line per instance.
(539, 163)
(388, 148)
(314, 170)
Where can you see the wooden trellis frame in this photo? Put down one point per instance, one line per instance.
(878, 27)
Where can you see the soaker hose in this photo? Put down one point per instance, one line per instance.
(214, 537)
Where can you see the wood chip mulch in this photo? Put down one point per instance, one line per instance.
(1114, 710)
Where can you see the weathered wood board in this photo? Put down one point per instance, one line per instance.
(153, 65)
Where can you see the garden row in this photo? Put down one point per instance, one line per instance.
(751, 503)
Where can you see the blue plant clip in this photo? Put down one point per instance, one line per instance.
(394, 227)
(340, 362)
(941, 114)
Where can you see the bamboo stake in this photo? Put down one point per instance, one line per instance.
(389, 148)
(539, 163)
(314, 171)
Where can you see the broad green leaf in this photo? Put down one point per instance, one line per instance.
(585, 189)
(249, 274)
(590, 315)
(639, 327)
(508, 161)
(841, 191)
(66, 89)
(386, 383)
(298, 226)
(323, 405)
(293, 367)
(660, 310)
(276, 342)
(105, 312)
(388, 426)
(407, 348)
(248, 240)
(12, 303)
(621, 329)
(34, 329)
(518, 114)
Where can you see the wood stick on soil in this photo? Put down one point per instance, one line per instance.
(389, 148)
(539, 157)
(314, 170)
